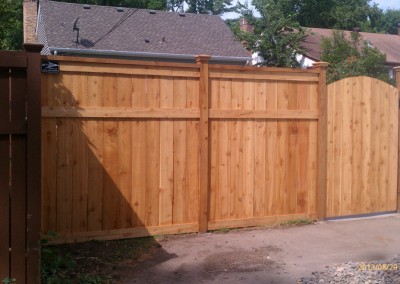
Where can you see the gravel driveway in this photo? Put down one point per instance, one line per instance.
(280, 255)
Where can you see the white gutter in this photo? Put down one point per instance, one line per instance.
(60, 51)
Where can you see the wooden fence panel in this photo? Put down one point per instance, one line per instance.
(126, 150)
(20, 188)
(127, 155)
(362, 156)
(260, 167)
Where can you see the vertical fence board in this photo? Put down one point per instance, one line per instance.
(260, 152)
(18, 207)
(384, 150)
(376, 145)
(179, 154)
(393, 149)
(236, 150)
(18, 178)
(49, 181)
(347, 149)
(303, 150)
(124, 219)
(111, 193)
(166, 154)
(281, 187)
(192, 155)
(139, 140)
(214, 134)
(4, 177)
(271, 136)
(223, 152)
(366, 106)
(293, 158)
(357, 148)
(153, 155)
(313, 155)
(248, 153)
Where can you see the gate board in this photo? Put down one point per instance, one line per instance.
(362, 147)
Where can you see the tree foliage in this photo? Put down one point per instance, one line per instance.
(276, 37)
(352, 56)
(384, 22)
(212, 7)
(11, 24)
(141, 4)
(341, 14)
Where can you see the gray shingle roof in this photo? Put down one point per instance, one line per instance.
(387, 44)
(141, 31)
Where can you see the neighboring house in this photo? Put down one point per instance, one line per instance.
(386, 43)
(129, 33)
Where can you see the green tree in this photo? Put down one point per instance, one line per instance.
(339, 14)
(352, 56)
(141, 4)
(276, 37)
(390, 21)
(11, 24)
(211, 7)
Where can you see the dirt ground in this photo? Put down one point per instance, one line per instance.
(260, 255)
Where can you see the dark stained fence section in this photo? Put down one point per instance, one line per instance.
(20, 165)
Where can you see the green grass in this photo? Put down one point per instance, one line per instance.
(90, 262)
(297, 222)
(223, 230)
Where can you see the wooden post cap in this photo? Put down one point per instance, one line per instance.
(202, 58)
(33, 47)
(320, 64)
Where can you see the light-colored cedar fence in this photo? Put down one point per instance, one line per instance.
(263, 145)
(362, 147)
(138, 148)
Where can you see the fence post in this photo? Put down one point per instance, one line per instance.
(322, 141)
(33, 205)
(202, 60)
(397, 77)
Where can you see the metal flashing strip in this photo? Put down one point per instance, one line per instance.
(359, 216)
(74, 51)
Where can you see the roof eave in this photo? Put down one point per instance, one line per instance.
(74, 51)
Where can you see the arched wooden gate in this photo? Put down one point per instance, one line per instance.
(362, 147)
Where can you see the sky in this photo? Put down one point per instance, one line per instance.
(383, 4)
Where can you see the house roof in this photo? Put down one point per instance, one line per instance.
(127, 30)
(386, 43)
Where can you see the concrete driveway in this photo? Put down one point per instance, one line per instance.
(281, 255)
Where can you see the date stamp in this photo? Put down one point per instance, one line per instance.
(379, 266)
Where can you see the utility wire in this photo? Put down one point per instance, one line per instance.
(123, 19)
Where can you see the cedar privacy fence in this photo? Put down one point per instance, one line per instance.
(362, 147)
(20, 165)
(139, 148)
